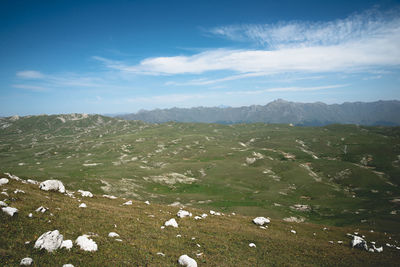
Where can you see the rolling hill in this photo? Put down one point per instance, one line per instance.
(337, 174)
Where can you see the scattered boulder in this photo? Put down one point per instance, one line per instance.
(41, 209)
(261, 220)
(110, 196)
(379, 250)
(359, 242)
(172, 222)
(26, 261)
(293, 231)
(252, 245)
(85, 243)
(14, 177)
(147, 202)
(294, 219)
(30, 181)
(16, 191)
(66, 244)
(3, 204)
(85, 193)
(301, 207)
(187, 261)
(127, 203)
(82, 205)
(215, 213)
(68, 265)
(183, 213)
(49, 241)
(9, 210)
(52, 185)
(3, 181)
(113, 234)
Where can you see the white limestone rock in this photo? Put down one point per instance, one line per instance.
(14, 177)
(359, 242)
(3, 204)
(10, 210)
(261, 221)
(68, 265)
(379, 250)
(113, 234)
(85, 193)
(85, 243)
(3, 181)
(67, 244)
(52, 185)
(252, 245)
(16, 191)
(26, 261)
(183, 213)
(82, 205)
(127, 203)
(49, 241)
(41, 209)
(172, 222)
(110, 196)
(30, 181)
(187, 261)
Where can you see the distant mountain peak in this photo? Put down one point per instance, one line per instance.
(281, 111)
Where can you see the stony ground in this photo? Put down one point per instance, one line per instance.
(213, 241)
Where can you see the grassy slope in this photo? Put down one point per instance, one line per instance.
(224, 240)
(49, 148)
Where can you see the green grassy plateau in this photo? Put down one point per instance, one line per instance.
(344, 177)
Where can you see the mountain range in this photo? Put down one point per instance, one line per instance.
(281, 111)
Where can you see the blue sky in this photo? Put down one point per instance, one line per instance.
(123, 56)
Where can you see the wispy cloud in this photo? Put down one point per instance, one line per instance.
(304, 34)
(30, 74)
(37, 81)
(286, 89)
(358, 43)
(31, 87)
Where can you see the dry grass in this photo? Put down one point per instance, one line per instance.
(223, 240)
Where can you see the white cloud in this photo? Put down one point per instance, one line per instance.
(357, 55)
(37, 81)
(30, 74)
(302, 89)
(31, 87)
(302, 33)
(286, 89)
(359, 43)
